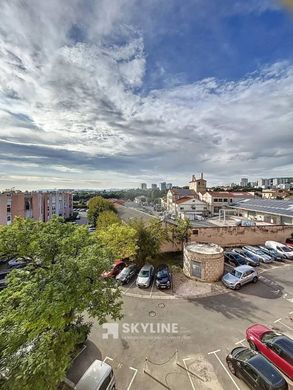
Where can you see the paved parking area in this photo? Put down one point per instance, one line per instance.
(208, 328)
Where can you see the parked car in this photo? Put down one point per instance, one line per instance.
(240, 276)
(99, 376)
(17, 263)
(145, 276)
(163, 277)
(272, 252)
(276, 347)
(127, 274)
(77, 217)
(280, 248)
(251, 259)
(255, 370)
(117, 267)
(247, 222)
(264, 258)
(289, 242)
(234, 259)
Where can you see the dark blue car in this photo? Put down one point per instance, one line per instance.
(163, 278)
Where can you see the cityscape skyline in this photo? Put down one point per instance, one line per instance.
(91, 97)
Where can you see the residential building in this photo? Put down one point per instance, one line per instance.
(169, 186)
(217, 200)
(274, 182)
(40, 206)
(276, 193)
(176, 193)
(244, 182)
(143, 186)
(154, 186)
(163, 186)
(189, 208)
(278, 212)
(198, 185)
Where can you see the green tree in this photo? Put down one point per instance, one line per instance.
(181, 232)
(120, 239)
(107, 218)
(149, 239)
(41, 308)
(96, 206)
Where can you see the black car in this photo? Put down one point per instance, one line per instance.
(127, 274)
(234, 259)
(255, 370)
(163, 278)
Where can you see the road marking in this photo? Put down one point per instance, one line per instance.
(151, 293)
(125, 291)
(291, 312)
(107, 358)
(241, 342)
(279, 321)
(227, 372)
(188, 373)
(133, 377)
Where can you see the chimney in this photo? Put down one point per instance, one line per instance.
(201, 175)
(193, 178)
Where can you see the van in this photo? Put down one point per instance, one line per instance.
(281, 249)
(99, 376)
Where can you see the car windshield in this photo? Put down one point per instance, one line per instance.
(125, 271)
(236, 273)
(245, 354)
(162, 274)
(251, 256)
(268, 337)
(144, 273)
(286, 249)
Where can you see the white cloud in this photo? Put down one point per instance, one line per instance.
(74, 103)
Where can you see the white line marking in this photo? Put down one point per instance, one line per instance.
(291, 312)
(188, 373)
(107, 358)
(218, 350)
(277, 320)
(125, 291)
(240, 342)
(228, 373)
(286, 326)
(151, 293)
(132, 379)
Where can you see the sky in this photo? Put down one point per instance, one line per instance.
(111, 93)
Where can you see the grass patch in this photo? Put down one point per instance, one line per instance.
(173, 259)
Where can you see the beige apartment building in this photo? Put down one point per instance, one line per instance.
(40, 206)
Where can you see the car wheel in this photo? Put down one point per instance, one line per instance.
(255, 279)
(252, 345)
(238, 286)
(231, 368)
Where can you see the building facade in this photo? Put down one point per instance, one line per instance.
(198, 185)
(40, 206)
(190, 208)
(217, 200)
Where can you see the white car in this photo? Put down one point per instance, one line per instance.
(263, 257)
(145, 276)
(99, 376)
(280, 249)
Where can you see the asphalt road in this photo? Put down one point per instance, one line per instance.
(204, 331)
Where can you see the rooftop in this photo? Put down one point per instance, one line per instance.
(268, 206)
(206, 249)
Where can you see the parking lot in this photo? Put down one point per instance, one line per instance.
(208, 328)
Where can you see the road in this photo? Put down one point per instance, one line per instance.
(207, 330)
(130, 211)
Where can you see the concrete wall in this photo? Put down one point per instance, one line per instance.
(235, 235)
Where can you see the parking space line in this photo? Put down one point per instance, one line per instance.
(151, 293)
(189, 376)
(125, 291)
(133, 377)
(227, 372)
(107, 358)
(280, 322)
(241, 342)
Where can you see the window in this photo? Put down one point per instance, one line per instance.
(195, 231)
(181, 208)
(215, 200)
(231, 200)
(220, 200)
(8, 218)
(193, 207)
(250, 371)
(225, 200)
(9, 208)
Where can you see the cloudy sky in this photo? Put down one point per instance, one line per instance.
(111, 93)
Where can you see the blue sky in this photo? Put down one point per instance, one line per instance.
(106, 93)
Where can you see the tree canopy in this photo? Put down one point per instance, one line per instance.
(181, 232)
(107, 218)
(96, 206)
(42, 306)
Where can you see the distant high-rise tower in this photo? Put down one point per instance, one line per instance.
(154, 186)
(244, 182)
(169, 186)
(163, 186)
(143, 186)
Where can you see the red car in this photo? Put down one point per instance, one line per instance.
(289, 242)
(115, 270)
(276, 347)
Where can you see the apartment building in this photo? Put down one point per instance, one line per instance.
(38, 205)
(216, 200)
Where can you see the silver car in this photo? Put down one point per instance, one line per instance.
(263, 257)
(240, 276)
(145, 276)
